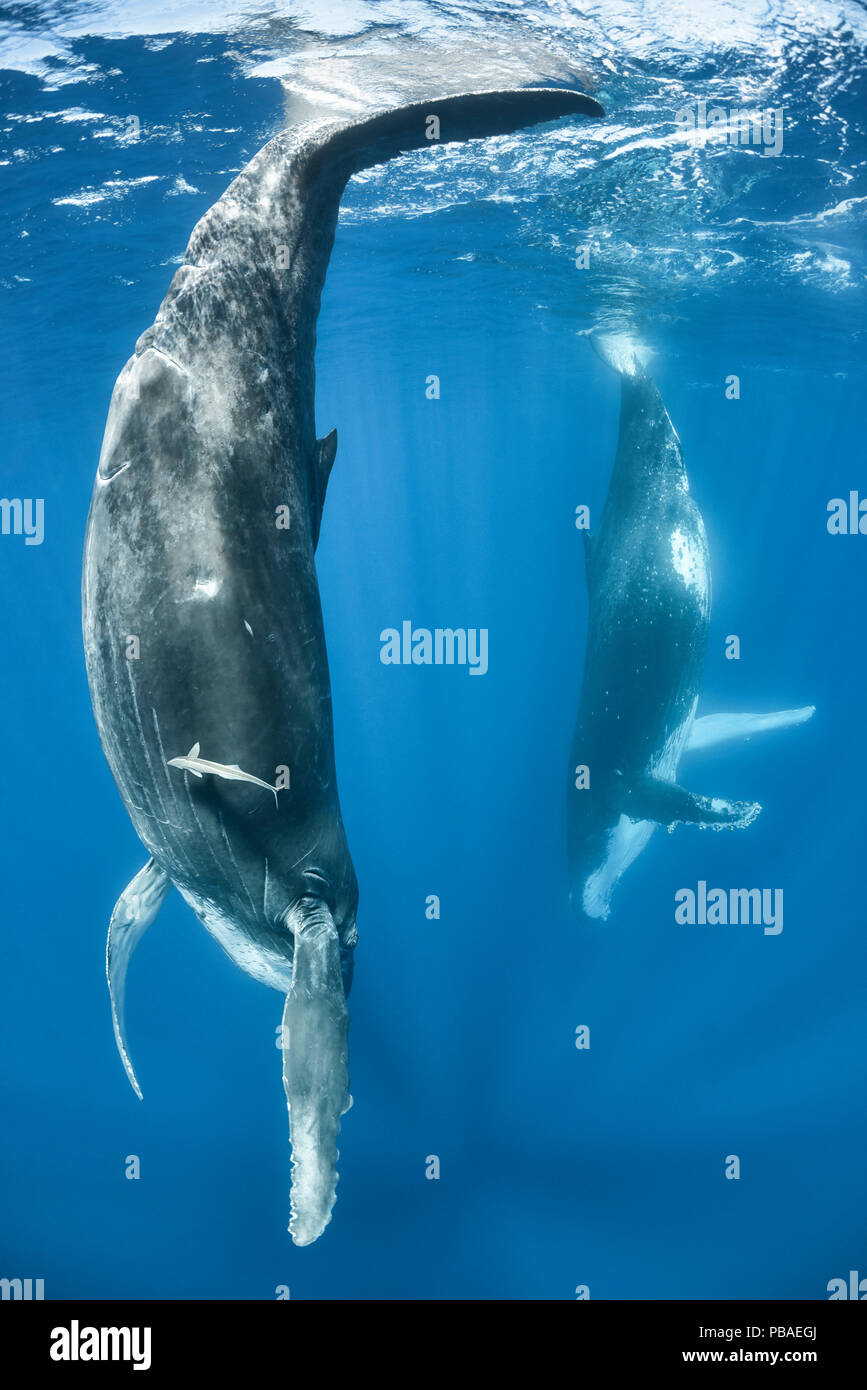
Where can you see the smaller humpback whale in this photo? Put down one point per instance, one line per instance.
(199, 767)
(648, 581)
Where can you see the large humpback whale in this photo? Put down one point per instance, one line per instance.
(202, 620)
(648, 581)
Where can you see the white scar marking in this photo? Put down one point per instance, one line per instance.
(304, 856)
(172, 789)
(145, 749)
(235, 862)
(207, 841)
(166, 846)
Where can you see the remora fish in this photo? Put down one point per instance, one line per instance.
(648, 580)
(202, 618)
(202, 767)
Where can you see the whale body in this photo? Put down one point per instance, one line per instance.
(649, 587)
(201, 612)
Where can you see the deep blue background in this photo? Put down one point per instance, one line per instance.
(559, 1167)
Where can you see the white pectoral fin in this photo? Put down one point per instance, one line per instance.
(625, 843)
(714, 729)
(315, 1068)
(134, 911)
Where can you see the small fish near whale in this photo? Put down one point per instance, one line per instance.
(201, 767)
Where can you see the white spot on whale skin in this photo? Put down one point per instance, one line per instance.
(207, 588)
(688, 561)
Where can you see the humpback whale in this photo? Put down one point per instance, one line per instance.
(201, 612)
(649, 589)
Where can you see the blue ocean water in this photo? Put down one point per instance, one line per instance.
(559, 1167)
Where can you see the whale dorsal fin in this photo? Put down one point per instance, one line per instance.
(326, 448)
(133, 913)
(194, 751)
(323, 459)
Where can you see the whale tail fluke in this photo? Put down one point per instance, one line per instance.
(311, 166)
(133, 913)
(467, 116)
(315, 1038)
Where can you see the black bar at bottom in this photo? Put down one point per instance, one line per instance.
(65, 1338)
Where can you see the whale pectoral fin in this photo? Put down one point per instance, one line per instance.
(133, 913)
(713, 729)
(315, 1067)
(666, 803)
